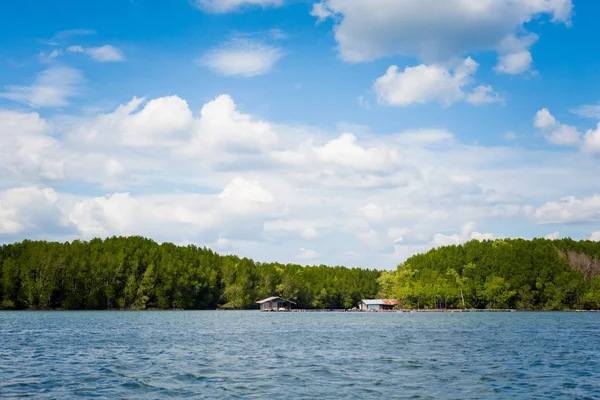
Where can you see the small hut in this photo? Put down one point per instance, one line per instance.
(275, 304)
(378, 304)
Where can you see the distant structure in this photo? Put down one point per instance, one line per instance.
(378, 304)
(275, 304)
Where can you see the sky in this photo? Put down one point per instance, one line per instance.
(340, 132)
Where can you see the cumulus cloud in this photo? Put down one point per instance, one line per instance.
(544, 120)
(553, 236)
(346, 161)
(106, 53)
(591, 140)
(346, 152)
(27, 149)
(483, 94)
(466, 234)
(435, 30)
(160, 122)
(514, 63)
(555, 132)
(595, 236)
(567, 135)
(321, 11)
(32, 211)
(220, 135)
(222, 126)
(226, 178)
(223, 6)
(431, 83)
(245, 58)
(238, 212)
(51, 88)
(569, 209)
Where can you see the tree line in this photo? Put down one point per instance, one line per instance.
(138, 273)
(506, 273)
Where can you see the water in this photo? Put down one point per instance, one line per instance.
(211, 354)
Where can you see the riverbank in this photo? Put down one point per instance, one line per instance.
(440, 310)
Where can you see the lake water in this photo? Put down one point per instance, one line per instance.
(231, 354)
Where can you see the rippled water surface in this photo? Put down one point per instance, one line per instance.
(230, 354)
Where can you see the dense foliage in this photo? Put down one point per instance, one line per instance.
(137, 273)
(508, 273)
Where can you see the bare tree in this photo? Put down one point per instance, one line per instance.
(581, 262)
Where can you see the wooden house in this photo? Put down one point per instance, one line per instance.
(378, 304)
(275, 304)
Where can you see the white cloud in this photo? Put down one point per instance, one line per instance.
(160, 120)
(106, 53)
(223, 6)
(553, 236)
(245, 197)
(544, 120)
(591, 140)
(466, 235)
(514, 63)
(244, 58)
(556, 132)
(51, 88)
(483, 94)
(588, 111)
(307, 254)
(566, 135)
(30, 211)
(165, 121)
(231, 180)
(428, 83)
(346, 152)
(435, 30)
(346, 161)
(321, 12)
(219, 135)
(239, 212)
(26, 148)
(595, 236)
(569, 210)
(222, 126)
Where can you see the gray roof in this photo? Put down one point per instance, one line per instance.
(272, 299)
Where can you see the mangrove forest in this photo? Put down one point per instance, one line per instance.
(138, 273)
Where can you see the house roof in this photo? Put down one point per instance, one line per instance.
(272, 299)
(389, 302)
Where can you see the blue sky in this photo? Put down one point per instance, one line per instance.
(342, 131)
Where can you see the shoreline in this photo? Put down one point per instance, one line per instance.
(316, 310)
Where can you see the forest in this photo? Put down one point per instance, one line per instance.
(135, 273)
(536, 274)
